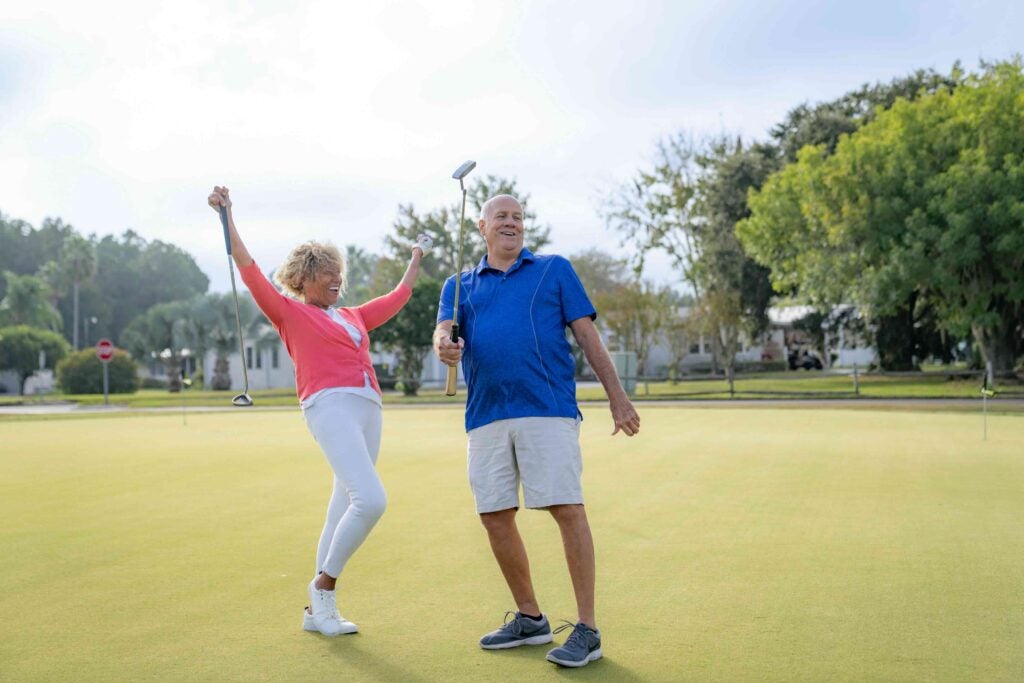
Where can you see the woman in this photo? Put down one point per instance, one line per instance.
(337, 389)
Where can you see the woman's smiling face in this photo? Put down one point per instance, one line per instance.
(324, 288)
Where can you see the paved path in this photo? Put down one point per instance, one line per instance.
(959, 404)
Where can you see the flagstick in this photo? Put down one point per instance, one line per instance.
(986, 391)
(984, 415)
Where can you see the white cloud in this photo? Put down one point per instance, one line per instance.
(324, 116)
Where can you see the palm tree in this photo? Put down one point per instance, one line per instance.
(215, 319)
(161, 332)
(75, 266)
(78, 256)
(27, 302)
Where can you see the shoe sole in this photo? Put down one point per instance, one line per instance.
(534, 640)
(308, 625)
(595, 655)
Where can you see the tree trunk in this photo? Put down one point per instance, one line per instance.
(221, 380)
(894, 340)
(172, 366)
(729, 345)
(412, 368)
(999, 346)
(74, 317)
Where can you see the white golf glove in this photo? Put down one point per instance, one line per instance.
(424, 242)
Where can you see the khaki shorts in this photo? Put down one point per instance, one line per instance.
(541, 452)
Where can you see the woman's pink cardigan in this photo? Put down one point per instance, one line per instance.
(322, 351)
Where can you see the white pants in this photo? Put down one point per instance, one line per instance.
(347, 428)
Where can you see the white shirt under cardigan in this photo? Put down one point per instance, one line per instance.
(366, 391)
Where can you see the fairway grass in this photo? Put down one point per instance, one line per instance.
(733, 544)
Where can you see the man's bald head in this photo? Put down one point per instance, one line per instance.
(486, 209)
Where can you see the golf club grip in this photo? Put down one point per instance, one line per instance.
(449, 387)
(453, 370)
(224, 223)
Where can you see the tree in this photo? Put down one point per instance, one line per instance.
(26, 349)
(736, 289)
(210, 323)
(26, 249)
(821, 126)
(826, 122)
(133, 274)
(599, 272)
(27, 302)
(680, 332)
(14, 235)
(161, 333)
(75, 265)
(360, 269)
(687, 205)
(925, 201)
(410, 333)
(637, 313)
(118, 278)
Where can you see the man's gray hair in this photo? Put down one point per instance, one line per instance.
(487, 205)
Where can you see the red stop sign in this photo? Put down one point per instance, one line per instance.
(104, 350)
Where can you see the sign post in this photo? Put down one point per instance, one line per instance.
(105, 351)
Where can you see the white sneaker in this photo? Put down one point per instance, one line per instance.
(325, 617)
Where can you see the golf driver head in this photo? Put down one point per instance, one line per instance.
(463, 171)
(243, 400)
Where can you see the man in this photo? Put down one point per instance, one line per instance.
(521, 414)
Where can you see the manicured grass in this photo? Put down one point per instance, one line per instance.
(732, 545)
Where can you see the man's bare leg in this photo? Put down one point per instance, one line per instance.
(579, 555)
(509, 551)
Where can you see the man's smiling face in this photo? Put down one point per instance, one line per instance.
(502, 227)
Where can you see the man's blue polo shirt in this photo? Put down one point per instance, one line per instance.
(517, 361)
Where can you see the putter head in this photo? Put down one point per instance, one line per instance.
(463, 171)
(242, 400)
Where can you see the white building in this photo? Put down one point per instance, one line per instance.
(40, 382)
(270, 367)
(776, 345)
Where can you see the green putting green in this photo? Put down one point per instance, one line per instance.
(750, 544)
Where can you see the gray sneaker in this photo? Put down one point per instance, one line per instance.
(582, 647)
(517, 631)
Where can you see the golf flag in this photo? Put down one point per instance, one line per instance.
(986, 386)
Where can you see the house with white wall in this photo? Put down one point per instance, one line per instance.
(270, 367)
(782, 337)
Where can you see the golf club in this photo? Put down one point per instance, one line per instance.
(460, 173)
(243, 400)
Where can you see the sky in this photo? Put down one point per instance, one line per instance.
(324, 117)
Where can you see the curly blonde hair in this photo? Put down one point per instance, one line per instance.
(306, 261)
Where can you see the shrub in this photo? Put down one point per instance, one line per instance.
(82, 373)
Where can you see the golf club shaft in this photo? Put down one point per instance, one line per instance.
(453, 371)
(238, 322)
(234, 296)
